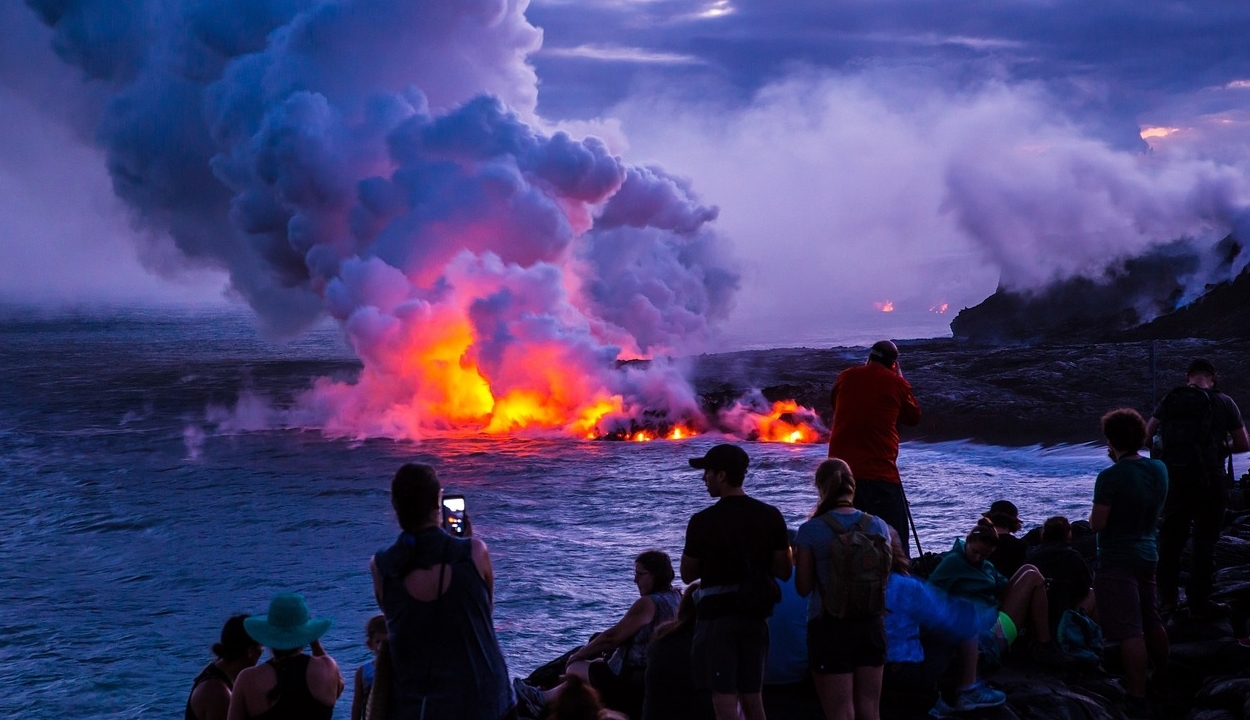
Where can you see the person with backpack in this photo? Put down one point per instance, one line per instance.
(1197, 426)
(843, 563)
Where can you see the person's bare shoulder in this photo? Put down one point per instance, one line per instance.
(210, 700)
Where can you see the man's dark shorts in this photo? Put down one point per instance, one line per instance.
(1127, 601)
(728, 654)
(885, 500)
(838, 646)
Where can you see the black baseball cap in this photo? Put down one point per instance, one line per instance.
(729, 458)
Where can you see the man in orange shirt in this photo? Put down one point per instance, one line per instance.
(870, 401)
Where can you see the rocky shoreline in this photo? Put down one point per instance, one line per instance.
(1209, 669)
(1007, 395)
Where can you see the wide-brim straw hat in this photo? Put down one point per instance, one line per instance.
(287, 625)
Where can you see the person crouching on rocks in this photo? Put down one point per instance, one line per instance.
(1008, 557)
(1006, 605)
(910, 683)
(291, 685)
(436, 592)
(619, 678)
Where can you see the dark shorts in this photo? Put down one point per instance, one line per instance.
(836, 647)
(728, 654)
(1127, 601)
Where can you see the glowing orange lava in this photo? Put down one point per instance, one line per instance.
(940, 308)
(787, 422)
(887, 306)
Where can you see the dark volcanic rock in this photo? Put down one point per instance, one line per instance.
(1041, 394)
(1137, 298)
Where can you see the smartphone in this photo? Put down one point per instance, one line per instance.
(453, 514)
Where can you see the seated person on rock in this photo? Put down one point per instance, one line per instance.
(1068, 580)
(1009, 555)
(580, 701)
(1006, 605)
(910, 684)
(619, 677)
(670, 691)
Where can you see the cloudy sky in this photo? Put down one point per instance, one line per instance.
(861, 155)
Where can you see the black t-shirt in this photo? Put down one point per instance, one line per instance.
(1009, 555)
(1226, 419)
(737, 532)
(1067, 574)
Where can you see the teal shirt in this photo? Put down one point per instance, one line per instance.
(1135, 491)
(982, 584)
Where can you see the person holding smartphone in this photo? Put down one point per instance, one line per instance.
(436, 591)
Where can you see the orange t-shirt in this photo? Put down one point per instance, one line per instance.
(869, 403)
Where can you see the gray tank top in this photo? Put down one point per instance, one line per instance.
(633, 654)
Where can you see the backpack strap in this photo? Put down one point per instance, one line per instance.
(837, 527)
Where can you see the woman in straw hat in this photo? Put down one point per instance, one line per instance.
(292, 685)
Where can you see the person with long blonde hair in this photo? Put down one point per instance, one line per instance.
(846, 653)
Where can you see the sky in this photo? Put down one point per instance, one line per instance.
(785, 172)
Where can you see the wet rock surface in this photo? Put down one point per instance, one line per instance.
(1016, 395)
(1208, 674)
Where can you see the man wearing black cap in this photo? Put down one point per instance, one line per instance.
(1198, 427)
(736, 547)
(870, 401)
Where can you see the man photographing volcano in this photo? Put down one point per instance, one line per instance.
(870, 401)
(1198, 427)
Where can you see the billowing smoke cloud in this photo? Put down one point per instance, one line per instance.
(381, 162)
(845, 190)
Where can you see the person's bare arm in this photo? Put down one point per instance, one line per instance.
(358, 695)
(1152, 426)
(1098, 517)
(238, 699)
(481, 558)
(325, 683)
(377, 583)
(689, 569)
(638, 615)
(804, 571)
(783, 564)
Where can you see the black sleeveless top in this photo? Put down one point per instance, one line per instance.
(212, 672)
(444, 654)
(291, 698)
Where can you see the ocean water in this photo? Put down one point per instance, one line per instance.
(130, 530)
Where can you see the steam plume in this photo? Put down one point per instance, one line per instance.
(381, 162)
